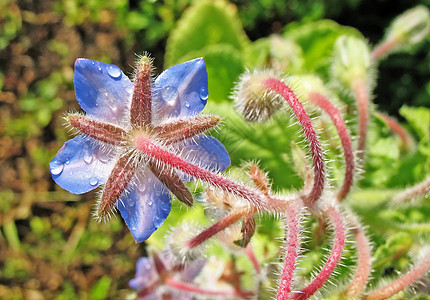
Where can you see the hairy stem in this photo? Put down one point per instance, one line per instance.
(403, 282)
(189, 288)
(397, 129)
(251, 255)
(419, 190)
(282, 89)
(339, 243)
(383, 49)
(364, 265)
(293, 243)
(216, 228)
(339, 123)
(255, 198)
(362, 97)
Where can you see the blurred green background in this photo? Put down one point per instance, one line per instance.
(50, 246)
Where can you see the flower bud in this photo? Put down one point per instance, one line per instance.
(351, 60)
(254, 101)
(410, 28)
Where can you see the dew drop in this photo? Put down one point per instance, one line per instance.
(57, 168)
(100, 69)
(204, 94)
(114, 71)
(148, 266)
(124, 214)
(141, 187)
(133, 228)
(169, 95)
(88, 158)
(94, 181)
(67, 162)
(158, 222)
(158, 193)
(150, 203)
(187, 104)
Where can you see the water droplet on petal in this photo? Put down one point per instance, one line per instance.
(100, 69)
(204, 94)
(150, 203)
(56, 168)
(124, 214)
(94, 181)
(88, 158)
(158, 222)
(114, 71)
(133, 228)
(141, 187)
(67, 162)
(148, 265)
(169, 95)
(158, 193)
(187, 104)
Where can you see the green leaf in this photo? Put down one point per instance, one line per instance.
(224, 65)
(100, 289)
(419, 119)
(203, 24)
(317, 40)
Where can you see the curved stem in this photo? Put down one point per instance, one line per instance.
(251, 255)
(418, 190)
(282, 89)
(360, 91)
(397, 129)
(403, 282)
(293, 244)
(333, 260)
(189, 288)
(216, 228)
(358, 283)
(339, 123)
(383, 49)
(255, 198)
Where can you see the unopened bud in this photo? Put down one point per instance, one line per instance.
(352, 60)
(255, 102)
(410, 28)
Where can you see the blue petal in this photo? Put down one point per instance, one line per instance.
(180, 91)
(81, 165)
(145, 274)
(102, 90)
(145, 205)
(207, 152)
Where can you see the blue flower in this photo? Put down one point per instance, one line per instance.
(153, 272)
(117, 111)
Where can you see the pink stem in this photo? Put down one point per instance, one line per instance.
(403, 282)
(358, 283)
(258, 200)
(216, 228)
(383, 49)
(419, 190)
(282, 89)
(250, 253)
(333, 260)
(189, 288)
(397, 129)
(293, 244)
(362, 97)
(339, 123)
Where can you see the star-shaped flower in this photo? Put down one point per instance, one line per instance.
(118, 112)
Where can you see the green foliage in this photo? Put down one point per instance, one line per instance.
(317, 40)
(205, 24)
